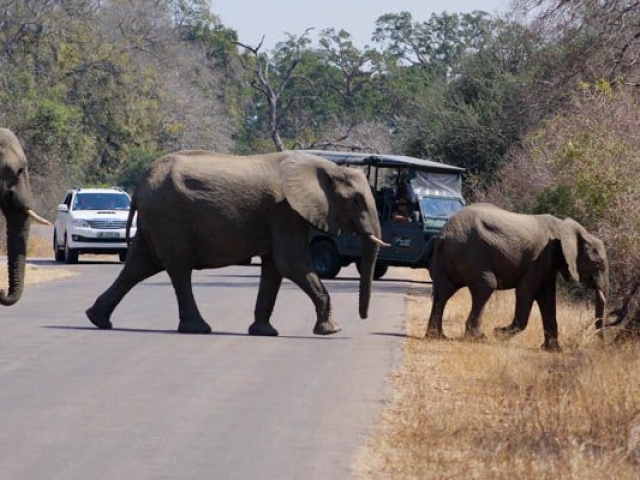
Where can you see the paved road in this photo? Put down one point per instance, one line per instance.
(143, 402)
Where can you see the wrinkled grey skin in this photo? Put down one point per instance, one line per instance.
(15, 202)
(198, 210)
(485, 248)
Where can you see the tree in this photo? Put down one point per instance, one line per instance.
(271, 77)
(437, 44)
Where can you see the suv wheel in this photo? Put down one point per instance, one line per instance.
(58, 253)
(325, 259)
(379, 270)
(122, 255)
(70, 255)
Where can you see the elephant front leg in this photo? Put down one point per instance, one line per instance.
(310, 283)
(190, 319)
(546, 299)
(270, 281)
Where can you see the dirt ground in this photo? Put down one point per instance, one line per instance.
(35, 274)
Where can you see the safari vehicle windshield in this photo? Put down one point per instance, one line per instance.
(414, 198)
(101, 201)
(436, 211)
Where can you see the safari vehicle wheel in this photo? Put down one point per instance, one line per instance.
(325, 259)
(70, 255)
(378, 272)
(58, 253)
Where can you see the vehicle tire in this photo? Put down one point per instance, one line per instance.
(325, 259)
(70, 255)
(122, 255)
(378, 271)
(58, 253)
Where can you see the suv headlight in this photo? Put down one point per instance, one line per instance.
(80, 223)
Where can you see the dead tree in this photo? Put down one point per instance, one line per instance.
(272, 90)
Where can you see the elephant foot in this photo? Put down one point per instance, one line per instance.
(434, 334)
(98, 320)
(194, 326)
(505, 333)
(475, 336)
(551, 345)
(326, 328)
(262, 330)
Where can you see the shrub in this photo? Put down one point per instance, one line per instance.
(583, 164)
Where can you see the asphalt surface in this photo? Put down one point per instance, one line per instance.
(144, 402)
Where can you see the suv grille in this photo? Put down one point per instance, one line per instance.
(107, 224)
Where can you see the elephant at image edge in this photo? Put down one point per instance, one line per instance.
(16, 204)
(198, 209)
(485, 248)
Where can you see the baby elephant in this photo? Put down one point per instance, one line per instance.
(485, 248)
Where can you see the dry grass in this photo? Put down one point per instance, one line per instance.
(509, 410)
(38, 247)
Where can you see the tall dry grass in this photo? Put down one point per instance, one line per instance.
(509, 410)
(39, 247)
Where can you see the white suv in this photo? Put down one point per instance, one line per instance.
(92, 220)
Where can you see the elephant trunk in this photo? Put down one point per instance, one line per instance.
(370, 249)
(17, 240)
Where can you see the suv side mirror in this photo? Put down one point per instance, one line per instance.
(63, 208)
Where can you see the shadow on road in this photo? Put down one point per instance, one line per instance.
(390, 334)
(51, 262)
(175, 332)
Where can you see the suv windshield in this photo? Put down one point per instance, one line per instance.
(440, 207)
(101, 201)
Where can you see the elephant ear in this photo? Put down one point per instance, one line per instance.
(309, 185)
(571, 233)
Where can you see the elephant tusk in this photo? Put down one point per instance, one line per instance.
(377, 241)
(601, 296)
(38, 218)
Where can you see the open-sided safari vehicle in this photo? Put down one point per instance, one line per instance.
(414, 197)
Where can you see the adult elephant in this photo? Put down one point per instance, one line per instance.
(198, 209)
(16, 204)
(485, 248)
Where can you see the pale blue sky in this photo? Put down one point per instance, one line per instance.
(254, 18)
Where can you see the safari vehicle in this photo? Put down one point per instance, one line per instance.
(432, 191)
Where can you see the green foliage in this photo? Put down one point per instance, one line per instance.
(583, 164)
(134, 168)
(558, 201)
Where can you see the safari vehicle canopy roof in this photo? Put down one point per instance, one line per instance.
(430, 178)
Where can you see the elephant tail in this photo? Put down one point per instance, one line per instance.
(132, 212)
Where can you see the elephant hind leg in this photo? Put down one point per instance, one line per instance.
(442, 291)
(524, 303)
(138, 266)
(270, 281)
(480, 294)
(190, 319)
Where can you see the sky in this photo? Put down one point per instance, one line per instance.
(272, 18)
